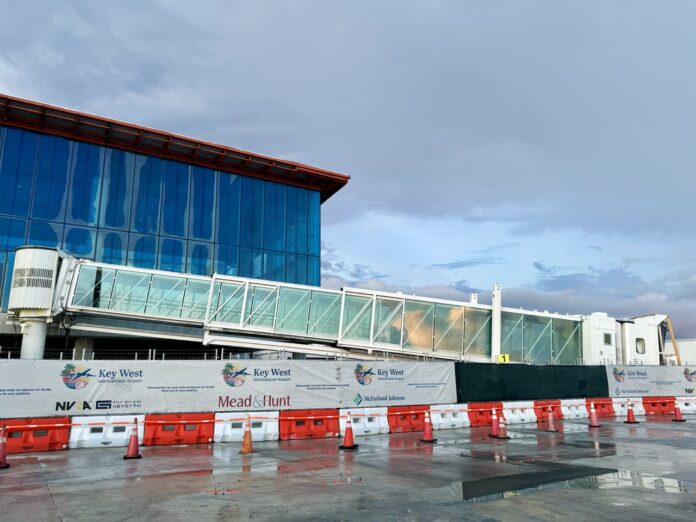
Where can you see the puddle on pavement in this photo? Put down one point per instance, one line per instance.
(611, 480)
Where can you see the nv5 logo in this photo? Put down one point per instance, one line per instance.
(83, 405)
(689, 390)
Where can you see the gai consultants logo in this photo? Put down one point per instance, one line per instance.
(619, 375)
(690, 375)
(363, 375)
(234, 377)
(75, 377)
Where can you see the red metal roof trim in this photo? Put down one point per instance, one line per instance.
(35, 116)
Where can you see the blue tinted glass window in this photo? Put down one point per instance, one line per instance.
(79, 241)
(302, 221)
(3, 259)
(291, 219)
(17, 171)
(274, 266)
(301, 270)
(175, 198)
(246, 262)
(314, 223)
(7, 280)
(228, 208)
(226, 260)
(142, 251)
(251, 213)
(112, 247)
(51, 185)
(12, 233)
(274, 216)
(85, 183)
(43, 233)
(291, 269)
(171, 255)
(202, 203)
(117, 189)
(200, 258)
(147, 194)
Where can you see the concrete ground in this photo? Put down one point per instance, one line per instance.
(617, 472)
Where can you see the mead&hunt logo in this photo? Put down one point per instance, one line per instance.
(363, 375)
(689, 375)
(357, 399)
(619, 374)
(75, 377)
(234, 377)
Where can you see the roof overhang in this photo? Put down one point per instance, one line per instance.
(49, 119)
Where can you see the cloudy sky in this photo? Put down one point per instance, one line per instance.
(549, 146)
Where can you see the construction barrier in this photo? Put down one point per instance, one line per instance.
(229, 426)
(107, 431)
(519, 412)
(687, 405)
(621, 406)
(542, 409)
(449, 416)
(574, 409)
(604, 407)
(37, 434)
(658, 405)
(406, 418)
(366, 421)
(163, 429)
(480, 413)
(309, 424)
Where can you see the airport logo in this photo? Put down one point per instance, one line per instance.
(619, 375)
(689, 375)
(363, 375)
(357, 399)
(75, 377)
(234, 377)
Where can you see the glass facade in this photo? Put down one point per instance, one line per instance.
(119, 207)
(538, 339)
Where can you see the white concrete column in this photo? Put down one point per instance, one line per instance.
(496, 321)
(33, 338)
(84, 348)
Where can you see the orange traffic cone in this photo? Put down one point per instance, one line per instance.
(3, 448)
(678, 414)
(552, 421)
(630, 416)
(133, 451)
(502, 428)
(494, 425)
(247, 447)
(428, 430)
(594, 423)
(348, 442)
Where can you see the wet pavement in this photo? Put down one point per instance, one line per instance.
(617, 472)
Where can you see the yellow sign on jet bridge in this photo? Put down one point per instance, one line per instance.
(504, 358)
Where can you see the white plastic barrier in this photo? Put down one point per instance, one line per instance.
(107, 431)
(229, 426)
(449, 416)
(366, 421)
(519, 412)
(574, 409)
(687, 405)
(621, 406)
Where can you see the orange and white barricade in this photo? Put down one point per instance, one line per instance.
(449, 416)
(519, 412)
(229, 426)
(103, 431)
(687, 405)
(365, 421)
(621, 406)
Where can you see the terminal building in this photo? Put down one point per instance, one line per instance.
(119, 241)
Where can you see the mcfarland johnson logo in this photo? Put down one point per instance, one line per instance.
(75, 377)
(233, 376)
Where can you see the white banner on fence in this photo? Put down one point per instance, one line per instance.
(44, 388)
(654, 381)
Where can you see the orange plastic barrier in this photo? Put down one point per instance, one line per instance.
(480, 413)
(163, 429)
(406, 418)
(309, 424)
(658, 405)
(40, 434)
(604, 406)
(541, 409)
